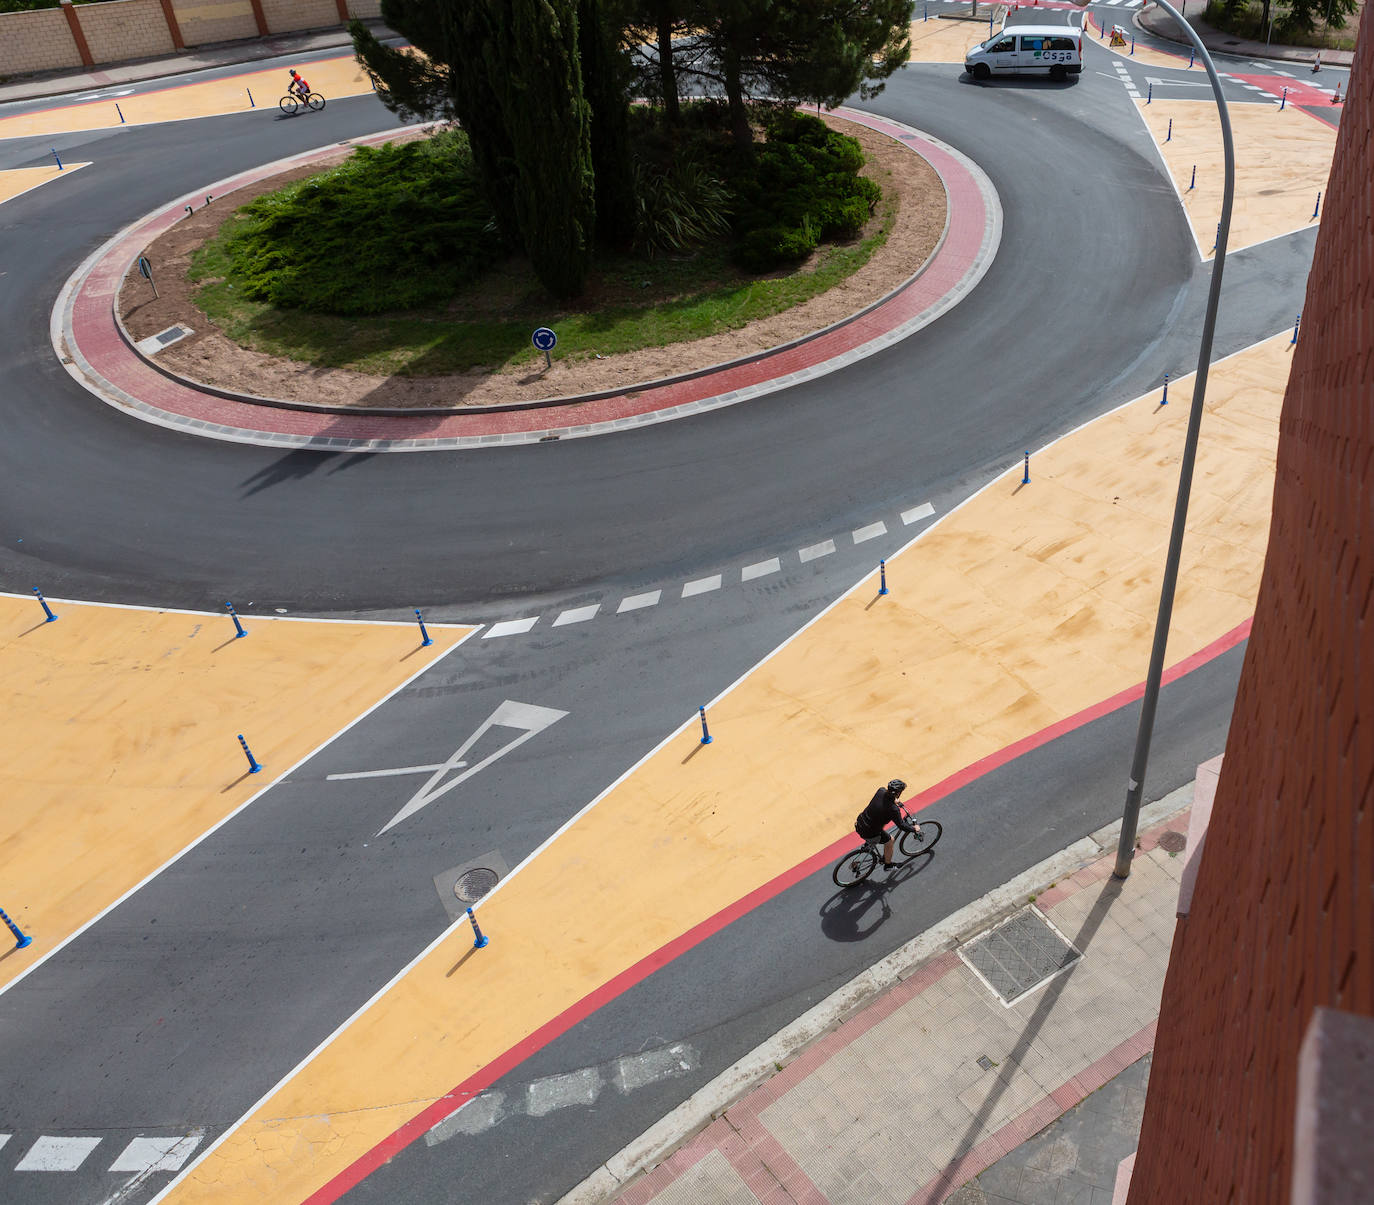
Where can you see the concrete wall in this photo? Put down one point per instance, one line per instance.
(299, 14)
(125, 29)
(36, 41)
(203, 21)
(1282, 916)
(136, 29)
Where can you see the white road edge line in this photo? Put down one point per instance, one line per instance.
(689, 722)
(181, 853)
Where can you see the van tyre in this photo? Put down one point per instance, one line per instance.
(981, 72)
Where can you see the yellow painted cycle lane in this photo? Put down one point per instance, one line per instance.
(1027, 605)
(335, 77)
(1283, 159)
(121, 731)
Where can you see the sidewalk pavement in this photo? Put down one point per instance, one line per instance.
(936, 1089)
(199, 58)
(1155, 20)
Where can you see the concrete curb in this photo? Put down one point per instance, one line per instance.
(1158, 23)
(709, 1102)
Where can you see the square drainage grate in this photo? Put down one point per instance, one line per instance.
(1019, 955)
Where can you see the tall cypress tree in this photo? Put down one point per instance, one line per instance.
(605, 81)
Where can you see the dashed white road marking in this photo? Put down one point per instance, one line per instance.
(156, 1154)
(51, 1154)
(812, 552)
(760, 569)
(636, 601)
(510, 627)
(702, 585)
(924, 511)
(871, 532)
(577, 615)
(4, 1138)
(637, 1070)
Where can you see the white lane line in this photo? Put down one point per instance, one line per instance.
(510, 627)
(759, 569)
(871, 532)
(388, 773)
(636, 601)
(577, 615)
(156, 1154)
(824, 548)
(50, 1154)
(702, 585)
(924, 511)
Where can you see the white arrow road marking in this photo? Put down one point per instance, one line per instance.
(1178, 83)
(525, 716)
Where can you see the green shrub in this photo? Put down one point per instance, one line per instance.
(679, 207)
(802, 189)
(391, 228)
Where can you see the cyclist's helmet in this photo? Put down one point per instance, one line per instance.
(294, 75)
(896, 786)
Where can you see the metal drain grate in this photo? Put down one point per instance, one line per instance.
(474, 884)
(171, 335)
(1019, 955)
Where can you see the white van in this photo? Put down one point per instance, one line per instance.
(1053, 50)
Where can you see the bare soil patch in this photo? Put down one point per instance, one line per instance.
(211, 358)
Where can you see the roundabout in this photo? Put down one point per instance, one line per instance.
(281, 987)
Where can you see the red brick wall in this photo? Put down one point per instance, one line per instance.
(1282, 918)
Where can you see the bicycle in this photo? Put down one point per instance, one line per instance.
(291, 104)
(858, 864)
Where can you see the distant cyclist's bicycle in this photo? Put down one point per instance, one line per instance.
(858, 864)
(291, 104)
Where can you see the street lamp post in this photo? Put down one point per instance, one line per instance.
(1135, 784)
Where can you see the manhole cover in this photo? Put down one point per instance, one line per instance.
(472, 885)
(1019, 955)
(1173, 843)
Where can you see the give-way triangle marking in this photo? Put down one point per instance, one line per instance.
(525, 717)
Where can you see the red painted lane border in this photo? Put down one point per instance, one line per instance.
(608, 991)
(94, 334)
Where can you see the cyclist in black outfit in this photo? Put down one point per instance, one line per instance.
(881, 811)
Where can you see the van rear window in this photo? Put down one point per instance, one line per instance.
(1059, 44)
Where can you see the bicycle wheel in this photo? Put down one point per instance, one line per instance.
(931, 831)
(289, 105)
(316, 101)
(855, 866)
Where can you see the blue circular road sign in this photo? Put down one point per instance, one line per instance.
(544, 339)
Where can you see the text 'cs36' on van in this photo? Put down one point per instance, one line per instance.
(1050, 50)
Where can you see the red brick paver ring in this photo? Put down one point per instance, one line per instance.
(87, 337)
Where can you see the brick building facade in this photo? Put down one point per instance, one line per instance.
(1281, 921)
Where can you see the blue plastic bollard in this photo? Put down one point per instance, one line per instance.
(1283, 100)
(1192, 54)
(1316, 209)
(1149, 93)
(21, 939)
(882, 577)
(58, 157)
(1133, 43)
(1169, 137)
(238, 627)
(425, 641)
(705, 732)
(1025, 476)
(925, 12)
(1164, 401)
(253, 767)
(252, 104)
(1296, 322)
(120, 112)
(43, 602)
(1193, 181)
(479, 938)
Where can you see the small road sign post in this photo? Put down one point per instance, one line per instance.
(545, 340)
(145, 269)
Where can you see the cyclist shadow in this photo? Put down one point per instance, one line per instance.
(856, 913)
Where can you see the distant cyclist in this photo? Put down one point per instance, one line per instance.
(883, 809)
(298, 86)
